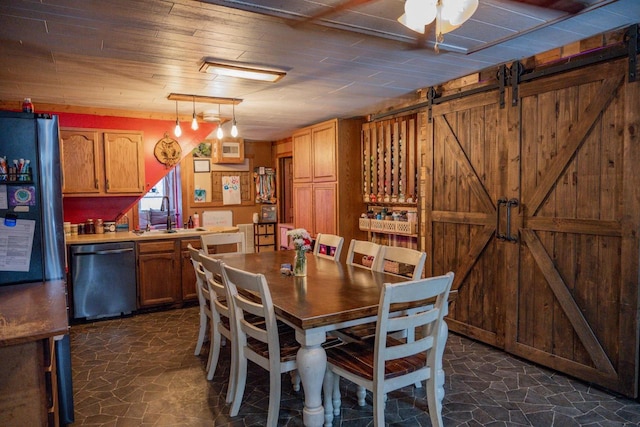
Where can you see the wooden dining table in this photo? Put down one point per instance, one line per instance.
(333, 295)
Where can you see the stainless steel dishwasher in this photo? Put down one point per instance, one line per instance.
(103, 279)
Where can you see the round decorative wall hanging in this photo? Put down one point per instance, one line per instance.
(167, 151)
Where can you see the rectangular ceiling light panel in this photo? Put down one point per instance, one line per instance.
(242, 72)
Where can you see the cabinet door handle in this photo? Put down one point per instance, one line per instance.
(511, 203)
(499, 235)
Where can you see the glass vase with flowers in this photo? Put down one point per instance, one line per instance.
(302, 243)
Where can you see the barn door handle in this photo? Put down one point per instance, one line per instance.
(510, 204)
(499, 235)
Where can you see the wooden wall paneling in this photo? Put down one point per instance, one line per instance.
(402, 160)
(366, 161)
(374, 190)
(412, 160)
(394, 190)
(387, 162)
(381, 161)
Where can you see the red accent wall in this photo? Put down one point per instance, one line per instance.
(78, 209)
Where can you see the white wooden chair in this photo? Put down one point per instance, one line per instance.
(221, 321)
(362, 253)
(205, 312)
(393, 260)
(264, 343)
(214, 240)
(328, 246)
(387, 364)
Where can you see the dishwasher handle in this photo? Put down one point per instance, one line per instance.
(105, 252)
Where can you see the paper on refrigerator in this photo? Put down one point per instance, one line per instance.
(16, 244)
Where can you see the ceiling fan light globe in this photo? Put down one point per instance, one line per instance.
(419, 13)
(456, 12)
(417, 27)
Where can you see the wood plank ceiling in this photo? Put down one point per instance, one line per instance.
(131, 54)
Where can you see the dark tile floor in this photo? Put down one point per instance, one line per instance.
(141, 371)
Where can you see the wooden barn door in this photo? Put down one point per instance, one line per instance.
(536, 208)
(466, 163)
(573, 299)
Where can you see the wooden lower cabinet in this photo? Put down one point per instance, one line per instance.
(159, 273)
(165, 272)
(189, 292)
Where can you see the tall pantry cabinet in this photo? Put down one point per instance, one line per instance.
(326, 178)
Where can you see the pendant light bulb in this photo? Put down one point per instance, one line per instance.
(219, 132)
(234, 127)
(177, 131)
(194, 122)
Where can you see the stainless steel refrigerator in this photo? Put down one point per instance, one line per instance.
(32, 245)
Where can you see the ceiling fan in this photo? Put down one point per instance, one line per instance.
(432, 19)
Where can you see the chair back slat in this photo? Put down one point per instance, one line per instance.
(395, 260)
(363, 253)
(328, 246)
(214, 240)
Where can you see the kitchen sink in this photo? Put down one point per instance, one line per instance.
(175, 230)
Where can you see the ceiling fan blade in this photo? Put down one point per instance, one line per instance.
(340, 7)
(568, 6)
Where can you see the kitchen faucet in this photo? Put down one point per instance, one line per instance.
(162, 208)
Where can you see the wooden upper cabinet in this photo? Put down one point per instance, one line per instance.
(302, 156)
(124, 162)
(99, 163)
(81, 161)
(323, 140)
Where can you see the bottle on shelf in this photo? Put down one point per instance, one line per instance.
(190, 222)
(27, 105)
(196, 220)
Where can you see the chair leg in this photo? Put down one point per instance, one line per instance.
(379, 400)
(435, 405)
(327, 392)
(337, 398)
(361, 393)
(241, 380)
(275, 385)
(204, 320)
(214, 354)
(295, 380)
(233, 375)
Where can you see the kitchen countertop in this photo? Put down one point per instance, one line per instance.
(130, 236)
(32, 311)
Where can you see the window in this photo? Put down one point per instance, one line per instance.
(149, 206)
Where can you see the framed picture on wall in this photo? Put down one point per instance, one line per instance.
(201, 165)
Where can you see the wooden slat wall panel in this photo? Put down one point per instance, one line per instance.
(389, 160)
